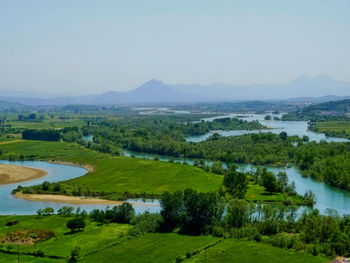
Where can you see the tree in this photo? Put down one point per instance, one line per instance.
(309, 197)
(65, 211)
(269, 182)
(45, 186)
(48, 211)
(282, 181)
(201, 210)
(76, 224)
(236, 184)
(121, 214)
(172, 207)
(283, 136)
(237, 213)
(75, 254)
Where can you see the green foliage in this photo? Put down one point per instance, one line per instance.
(236, 251)
(76, 224)
(236, 184)
(191, 211)
(118, 214)
(43, 135)
(237, 213)
(65, 211)
(75, 254)
(269, 181)
(46, 211)
(146, 223)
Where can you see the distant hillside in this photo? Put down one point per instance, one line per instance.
(327, 110)
(302, 90)
(320, 86)
(11, 106)
(152, 91)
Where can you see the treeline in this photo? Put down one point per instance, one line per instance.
(43, 135)
(68, 134)
(323, 161)
(328, 162)
(198, 213)
(332, 110)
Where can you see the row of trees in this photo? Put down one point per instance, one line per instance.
(200, 213)
(194, 213)
(43, 135)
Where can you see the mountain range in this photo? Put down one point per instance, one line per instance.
(314, 90)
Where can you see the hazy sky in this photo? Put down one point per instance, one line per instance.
(82, 46)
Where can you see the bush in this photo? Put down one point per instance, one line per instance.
(39, 253)
(218, 231)
(75, 254)
(146, 223)
(12, 222)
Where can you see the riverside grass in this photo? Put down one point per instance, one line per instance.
(333, 128)
(237, 251)
(93, 237)
(111, 243)
(116, 176)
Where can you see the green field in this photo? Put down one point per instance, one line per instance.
(6, 258)
(55, 121)
(118, 175)
(64, 240)
(333, 128)
(151, 248)
(235, 251)
(111, 243)
(258, 193)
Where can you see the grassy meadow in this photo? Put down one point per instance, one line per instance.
(333, 128)
(111, 243)
(116, 176)
(236, 251)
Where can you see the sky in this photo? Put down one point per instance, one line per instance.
(87, 47)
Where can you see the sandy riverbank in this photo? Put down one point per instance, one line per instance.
(10, 174)
(88, 167)
(75, 200)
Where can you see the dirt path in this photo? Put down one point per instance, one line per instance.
(13, 141)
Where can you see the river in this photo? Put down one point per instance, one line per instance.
(327, 196)
(56, 172)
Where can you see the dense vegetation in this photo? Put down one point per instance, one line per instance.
(189, 213)
(332, 128)
(205, 208)
(43, 135)
(332, 110)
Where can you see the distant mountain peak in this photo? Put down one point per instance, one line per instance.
(152, 82)
(324, 77)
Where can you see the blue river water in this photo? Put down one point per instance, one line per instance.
(298, 128)
(9, 205)
(326, 196)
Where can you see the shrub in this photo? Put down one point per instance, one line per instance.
(75, 254)
(12, 222)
